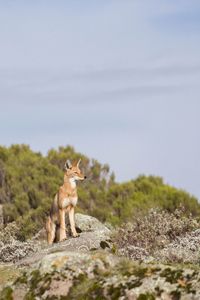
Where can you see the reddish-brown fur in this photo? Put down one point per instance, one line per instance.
(65, 201)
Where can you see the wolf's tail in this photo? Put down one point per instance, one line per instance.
(48, 224)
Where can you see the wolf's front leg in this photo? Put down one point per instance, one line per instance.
(62, 231)
(72, 222)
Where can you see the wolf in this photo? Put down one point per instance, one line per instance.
(65, 201)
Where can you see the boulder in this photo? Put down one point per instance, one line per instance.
(93, 235)
(86, 241)
(76, 261)
(78, 268)
(87, 223)
(101, 275)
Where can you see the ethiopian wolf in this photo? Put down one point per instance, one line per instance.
(65, 201)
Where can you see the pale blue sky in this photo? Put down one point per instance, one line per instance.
(119, 80)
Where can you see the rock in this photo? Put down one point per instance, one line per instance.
(85, 223)
(101, 275)
(86, 242)
(79, 268)
(94, 235)
(76, 261)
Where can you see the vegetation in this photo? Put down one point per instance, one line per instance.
(163, 236)
(29, 181)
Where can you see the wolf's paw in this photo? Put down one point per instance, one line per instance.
(63, 239)
(75, 235)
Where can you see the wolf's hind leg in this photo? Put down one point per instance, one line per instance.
(51, 231)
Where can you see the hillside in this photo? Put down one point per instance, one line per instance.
(105, 264)
(29, 181)
(144, 243)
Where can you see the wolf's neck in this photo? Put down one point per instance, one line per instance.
(72, 182)
(69, 182)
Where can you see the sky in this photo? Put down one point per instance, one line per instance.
(118, 80)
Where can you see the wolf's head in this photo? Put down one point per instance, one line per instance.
(73, 170)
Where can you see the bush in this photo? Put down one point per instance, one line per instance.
(153, 232)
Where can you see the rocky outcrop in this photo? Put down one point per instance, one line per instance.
(93, 235)
(101, 275)
(88, 223)
(86, 268)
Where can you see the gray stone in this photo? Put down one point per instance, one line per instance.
(88, 223)
(81, 273)
(75, 260)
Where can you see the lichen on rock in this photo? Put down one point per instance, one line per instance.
(101, 275)
(87, 268)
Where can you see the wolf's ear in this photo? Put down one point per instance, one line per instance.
(67, 165)
(78, 162)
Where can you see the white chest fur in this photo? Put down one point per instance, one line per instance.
(73, 183)
(69, 201)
